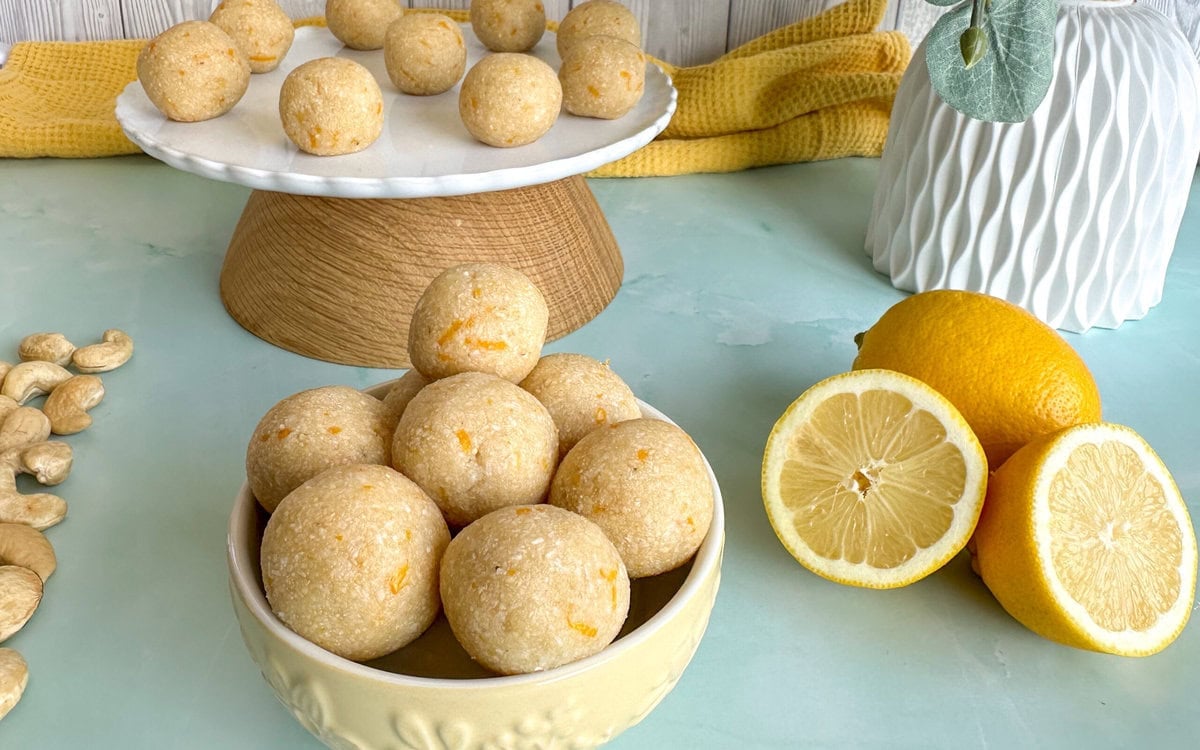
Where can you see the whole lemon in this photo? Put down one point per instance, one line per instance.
(1012, 377)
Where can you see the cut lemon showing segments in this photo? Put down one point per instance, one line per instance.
(872, 478)
(1085, 540)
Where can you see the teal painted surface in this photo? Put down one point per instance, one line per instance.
(740, 292)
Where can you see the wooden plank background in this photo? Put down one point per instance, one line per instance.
(685, 32)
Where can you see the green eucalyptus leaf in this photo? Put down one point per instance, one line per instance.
(1011, 80)
(945, 3)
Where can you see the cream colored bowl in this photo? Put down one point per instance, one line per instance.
(431, 695)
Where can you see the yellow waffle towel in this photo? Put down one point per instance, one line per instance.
(821, 88)
(58, 98)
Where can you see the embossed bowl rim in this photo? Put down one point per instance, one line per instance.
(242, 573)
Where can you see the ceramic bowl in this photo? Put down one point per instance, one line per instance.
(430, 694)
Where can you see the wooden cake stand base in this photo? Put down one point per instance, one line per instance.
(337, 278)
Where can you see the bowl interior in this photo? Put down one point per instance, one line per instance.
(436, 654)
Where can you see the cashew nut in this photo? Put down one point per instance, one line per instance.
(23, 426)
(115, 351)
(40, 510)
(4, 368)
(20, 594)
(68, 404)
(30, 379)
(26, 546)
(48, 462)
(7, 406)
(46, 347)
(14, 676)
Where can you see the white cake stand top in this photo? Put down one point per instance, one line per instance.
(424, 151)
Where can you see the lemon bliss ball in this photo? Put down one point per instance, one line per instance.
(644, 482)
(361, 24)
(311, 431)
(479, 317)
(193, 71)
(602, 77)
(263, 32)
(597, 18)
(509, 99)
(508, 25)
(581, 394)
(533, 587)
(331, 106)
(402, 391)
(424, 53)
(350, 560)
(475, 443)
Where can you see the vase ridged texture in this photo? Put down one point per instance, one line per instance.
(1072, 214)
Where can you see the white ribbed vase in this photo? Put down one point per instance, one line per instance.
(1072, 214)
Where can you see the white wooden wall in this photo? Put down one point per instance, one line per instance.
(685, 32)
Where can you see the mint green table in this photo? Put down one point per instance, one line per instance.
(740, 291)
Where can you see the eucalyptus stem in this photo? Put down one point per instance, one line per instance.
(978, 7)
(974, 42)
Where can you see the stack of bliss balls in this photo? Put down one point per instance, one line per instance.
(518, 493)
(333, 105)
(511, 98)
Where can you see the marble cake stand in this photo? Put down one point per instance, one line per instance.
(331, 253)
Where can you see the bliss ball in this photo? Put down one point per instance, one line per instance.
(509, 99)
(508, 25)
(475, 443)
(533, 587)
(644, 482)
(263, 32)
(331, 106)
(581, 394)
(478, 317)
(361, 24)
(350, 560)
(193, 71)
(397, 398)
(311, 431)
(602, 77)
(424, 53)
(597, 18)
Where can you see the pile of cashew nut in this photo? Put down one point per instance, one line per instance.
(53, 367)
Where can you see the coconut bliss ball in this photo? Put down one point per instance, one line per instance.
(533, 587)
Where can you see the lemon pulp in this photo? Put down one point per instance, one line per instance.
(876, 493)
(1115, 546)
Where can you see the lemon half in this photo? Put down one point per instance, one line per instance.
(874, 479)
(1086, 540)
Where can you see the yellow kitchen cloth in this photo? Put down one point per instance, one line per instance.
(821, 88)
(817, 89)
(59, 98)
(854, 129)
